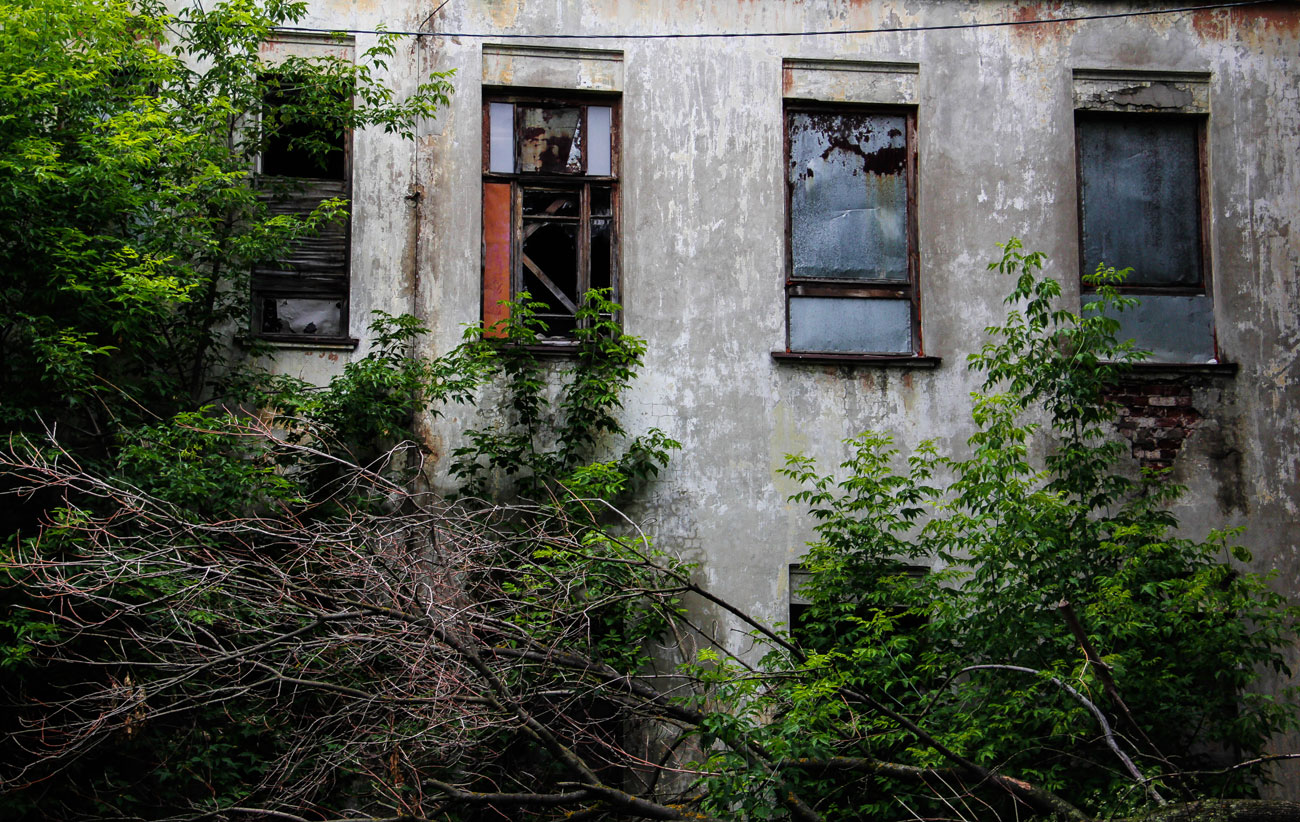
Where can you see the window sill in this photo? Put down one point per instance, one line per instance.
(870, 360)
(557, 350)
(554, 350)
(300, 342)
(1174, 369)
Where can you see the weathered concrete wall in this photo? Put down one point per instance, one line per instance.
(703, 236)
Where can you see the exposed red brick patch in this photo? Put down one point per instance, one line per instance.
(1156, 418)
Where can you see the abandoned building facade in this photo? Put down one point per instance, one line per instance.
(797, 217)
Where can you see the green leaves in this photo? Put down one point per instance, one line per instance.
(558, 418)
(130, 221)
(1062, 565)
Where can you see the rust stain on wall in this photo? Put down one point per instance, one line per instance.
(1041, 34)
(411, 247)
(1253, 25)
(503, 12)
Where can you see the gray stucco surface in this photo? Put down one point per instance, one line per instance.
(703, 232)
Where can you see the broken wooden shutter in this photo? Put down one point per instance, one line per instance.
(304, 291)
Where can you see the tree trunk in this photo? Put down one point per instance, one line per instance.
(1225, 810)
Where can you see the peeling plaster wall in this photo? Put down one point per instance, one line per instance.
(703, 227)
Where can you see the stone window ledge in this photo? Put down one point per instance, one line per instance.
(868, 360)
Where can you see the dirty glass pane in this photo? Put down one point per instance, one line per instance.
(848, 196)
(550, 203)
(851, 325)
(1173, 329)
(501, 140)
(598, 126)
(600, 253)
(550, 264)
(1140, 194)
(295, 315)
(601, 201)
(550, 139)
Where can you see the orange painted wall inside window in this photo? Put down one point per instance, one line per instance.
(496, 254)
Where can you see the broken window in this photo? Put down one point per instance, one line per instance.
(851, 254)
(550, 200)
(303, 294)
(1141, 201)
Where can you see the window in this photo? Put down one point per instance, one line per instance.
(303, 295)
(880, 606)
(1141, 203)
(851, 263)
(550, 205)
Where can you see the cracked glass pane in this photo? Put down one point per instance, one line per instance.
(550, 139)
(848, 196)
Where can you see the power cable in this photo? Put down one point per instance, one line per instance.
(749, 34)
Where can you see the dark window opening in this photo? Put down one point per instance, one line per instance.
(294, 144)
(550, 199)
(813, 634)
(1142, 206)
(851, 251)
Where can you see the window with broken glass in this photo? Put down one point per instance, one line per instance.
(1142, 205)
(550, 206)
(851, 262)
(302, 295)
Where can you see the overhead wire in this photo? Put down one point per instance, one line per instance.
(1078, 18)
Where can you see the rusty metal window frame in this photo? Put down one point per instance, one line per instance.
(856, 289)
(1203, 287)
(281, 280)
(580, 184)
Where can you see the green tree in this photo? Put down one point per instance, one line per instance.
(129, 220)
(236, 585)
(557, 420)
(288, 640)
(1069, 635)
(130, 215)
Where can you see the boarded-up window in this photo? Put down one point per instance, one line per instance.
(550, 196)
(303, 294)
(851, 261)
(1141, 201)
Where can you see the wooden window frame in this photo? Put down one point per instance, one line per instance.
(497, 243)
(855, 288)
(1204, 287)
